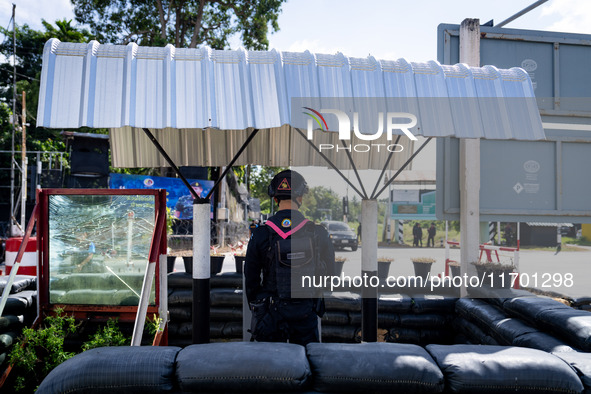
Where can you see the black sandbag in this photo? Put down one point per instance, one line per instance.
(20, 283)
(250, 367)
(30, 296)
(471, 330)
(461, 339)
(11, 322)
(15, 306)
(571, 325)
(335, 318)
(3, 357)
(180, 280)
(7, 339)
(505, 331)
(232, 329)
(404, 335)
(527, 308)
(226, 297)
(500, 369)
(442, 336)
(227, 314)
(395, 368)
(355, 318)
(430, 303)
(488, 340)
(184, 280)
(394, 303)
(339, 333)
(430, 320)
(180, 341)
(216, 329)
(479, 312)
(497, 296)
(580, 301)
(542, 341)
(385, 320)
(182, 330)
(180, 297)
(230, 280)
(343, 301)
(118, 369)
(581, 362)
(180, 313)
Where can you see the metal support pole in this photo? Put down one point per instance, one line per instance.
(24, 161)
(201, 270)
(170, 162)
(521, 13)
(469, 163)
(12, 204)
(362, 195)
(369, 267)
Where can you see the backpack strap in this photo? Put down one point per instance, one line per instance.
(282, 233)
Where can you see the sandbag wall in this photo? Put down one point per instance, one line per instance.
(525, 320)
(420, 319)
(20, 311)
(225, 311)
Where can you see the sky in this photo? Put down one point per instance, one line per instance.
(385, 29)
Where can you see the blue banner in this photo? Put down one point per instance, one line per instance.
(178, 198)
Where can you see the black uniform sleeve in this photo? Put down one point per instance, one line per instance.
(326, 249)
(253, 263)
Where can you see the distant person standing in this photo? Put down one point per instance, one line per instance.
(415, 235)
(431, 232)
(420, 235)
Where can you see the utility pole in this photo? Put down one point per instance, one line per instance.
(24, 162)
(469, 162)
(13, 120)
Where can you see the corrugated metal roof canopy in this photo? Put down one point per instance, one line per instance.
(189, 93)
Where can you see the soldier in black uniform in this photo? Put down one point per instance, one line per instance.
(277, 315)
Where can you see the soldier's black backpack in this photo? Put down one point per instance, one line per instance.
(294, 260)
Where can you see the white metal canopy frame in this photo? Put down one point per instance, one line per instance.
(202, 102)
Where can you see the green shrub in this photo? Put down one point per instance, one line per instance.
(109, 335)
(40, 350)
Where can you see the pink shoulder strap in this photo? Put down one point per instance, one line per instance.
(284, 234)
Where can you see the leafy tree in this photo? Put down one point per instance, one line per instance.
(28, 59)
(322, 203)
(259, 180)
(183, 23)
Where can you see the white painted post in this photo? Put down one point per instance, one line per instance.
(138, 328)
(369, 266)
(201, 270)
(469, 162)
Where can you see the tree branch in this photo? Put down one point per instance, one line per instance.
(163, 21)
(197, 24)
(231, 5)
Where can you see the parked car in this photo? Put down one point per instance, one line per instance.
(341, 235)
